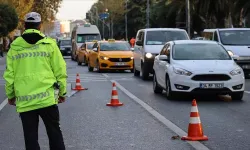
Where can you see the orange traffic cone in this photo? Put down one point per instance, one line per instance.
(195, 131)
(114, 98)
(78, 86)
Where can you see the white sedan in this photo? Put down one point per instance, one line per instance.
(197, 67)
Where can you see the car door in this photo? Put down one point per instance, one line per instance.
(157, 65)
(138, 50)
(163, 65)
(93, 55)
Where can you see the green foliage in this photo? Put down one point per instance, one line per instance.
(172, 13)
(8, 19)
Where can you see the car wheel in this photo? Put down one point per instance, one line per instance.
(237, 96)
(85, 61)
(136, 72)
(169, 92)
(90, 68)
(78, 62)
(156, 87)
(145, 73)
(98, 67)
(132, 70)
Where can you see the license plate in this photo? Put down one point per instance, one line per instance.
(245, 66)
(211, 85)
(120, 64)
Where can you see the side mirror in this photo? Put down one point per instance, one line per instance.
(132, 49)
(94, 49)
(163, 58)
(235, 57)
(139, 43)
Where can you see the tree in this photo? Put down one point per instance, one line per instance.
(8, 19)
(47, 8)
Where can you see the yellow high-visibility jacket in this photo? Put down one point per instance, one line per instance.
(32, 70)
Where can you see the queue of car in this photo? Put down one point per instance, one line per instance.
(178, 64)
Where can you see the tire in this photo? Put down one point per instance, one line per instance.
(85, 61)
(132, 70)
(237, 96)
(145, 72)
(78, 62)
(90, 68)
(157, 89)
(98, 67)
(170, 94)
(136, 72)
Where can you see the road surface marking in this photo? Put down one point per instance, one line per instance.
(3, 104)
(197, 145)
(248, 92)
(105, 75)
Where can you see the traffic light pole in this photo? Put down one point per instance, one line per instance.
(148, 5)
(126, 20)
(188, 17)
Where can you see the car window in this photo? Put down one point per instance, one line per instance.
(65, 42)
(81, 38)
(90, 45)
(119, 46)
(200, 52)
(162, 37)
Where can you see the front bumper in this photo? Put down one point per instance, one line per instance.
(109, 65)
(66, 52)
(181, 83)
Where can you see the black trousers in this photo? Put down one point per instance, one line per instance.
(50, 117)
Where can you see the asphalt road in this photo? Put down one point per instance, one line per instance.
(146, 121)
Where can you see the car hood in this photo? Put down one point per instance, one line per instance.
(117, 54)
(208, 66)
(154, 49)
(238, 50)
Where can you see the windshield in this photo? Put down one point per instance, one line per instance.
(161, 37)
(235, 37)
(82, 38)
(65, 42)
(90, 46)
(120, 46)
(200, 52)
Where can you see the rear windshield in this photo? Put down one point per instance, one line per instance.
(82, 38)
(90, 46)
(200, 52)
(162, 37)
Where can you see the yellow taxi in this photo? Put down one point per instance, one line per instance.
(82, 54)
(111, 55)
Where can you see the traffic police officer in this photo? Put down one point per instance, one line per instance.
(34, 65)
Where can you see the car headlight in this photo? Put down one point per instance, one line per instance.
(149, 55)
(236, 71)
(230, 53)
(62, 48)
(104, 57)
(131, 57)
(182, 72)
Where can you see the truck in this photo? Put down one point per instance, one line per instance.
(81, 34)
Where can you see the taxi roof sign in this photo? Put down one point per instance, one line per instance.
(111, 40)
(87, 25)
(95, 41)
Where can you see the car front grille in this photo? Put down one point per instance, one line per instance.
(211, 77)
(120, 59)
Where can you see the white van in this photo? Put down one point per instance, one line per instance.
(237, 42)
(82, 34)
(149, 43)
